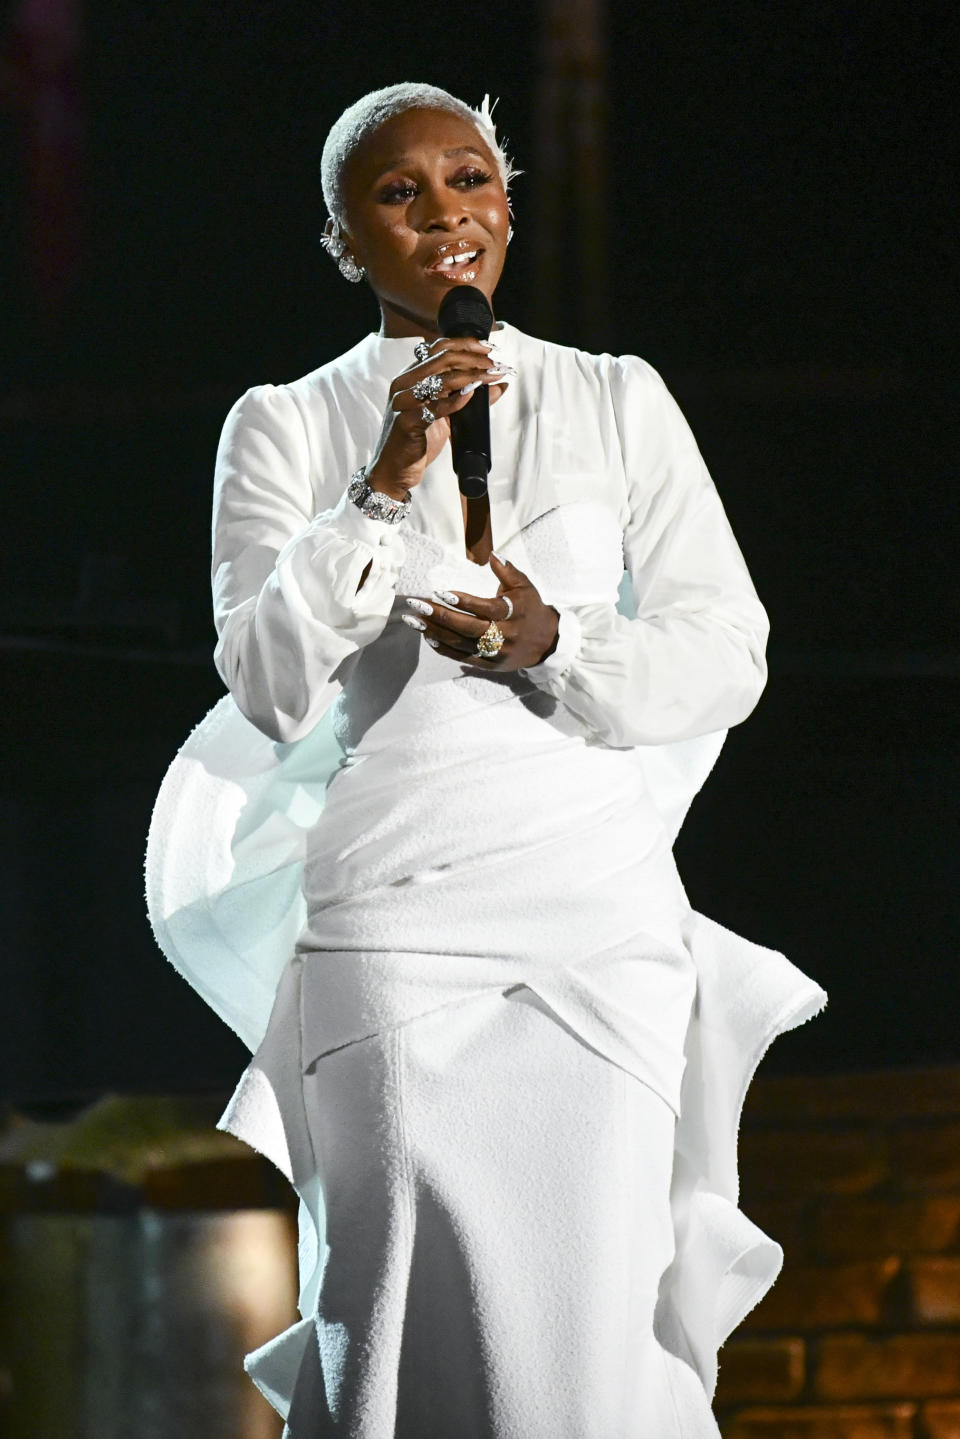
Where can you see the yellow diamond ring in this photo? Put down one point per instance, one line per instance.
(490, 642)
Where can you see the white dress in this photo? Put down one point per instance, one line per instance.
(496, 1052)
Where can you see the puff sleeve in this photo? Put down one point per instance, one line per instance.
(692, 660)
(288, 603)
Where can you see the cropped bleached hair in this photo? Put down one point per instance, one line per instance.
(373, 110)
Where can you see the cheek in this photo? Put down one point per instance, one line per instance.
(388, 245)
(498, 217)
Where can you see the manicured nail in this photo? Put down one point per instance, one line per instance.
(421, 606)
(447, 597)
(468, 389)
(413, 622)
(502, 370)
(499, 557)
(434, 644)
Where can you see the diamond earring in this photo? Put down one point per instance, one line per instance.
(332, 241)
(350, 270)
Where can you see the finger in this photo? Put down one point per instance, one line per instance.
(473, 659)
(463, 646)
(456, 383)
(470, 353)
(506, 572)
(445, 342)
(445, 624)
(488, 609)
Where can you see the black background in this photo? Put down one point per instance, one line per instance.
(781, 247)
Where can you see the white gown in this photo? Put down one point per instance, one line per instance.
(498, 1055)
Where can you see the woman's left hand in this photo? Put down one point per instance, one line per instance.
(530, 632)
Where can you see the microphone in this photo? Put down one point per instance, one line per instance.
(465, 313)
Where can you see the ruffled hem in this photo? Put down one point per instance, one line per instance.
(223, 872)
(724, 1264)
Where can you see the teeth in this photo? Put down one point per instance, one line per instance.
(466, 258)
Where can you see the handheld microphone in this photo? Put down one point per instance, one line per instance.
(466, 314)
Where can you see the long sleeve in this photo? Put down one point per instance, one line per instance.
(287, 606)
(692, 660)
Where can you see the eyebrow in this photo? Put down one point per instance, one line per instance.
(447, 155)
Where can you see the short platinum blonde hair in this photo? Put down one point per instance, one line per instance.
(371, 111)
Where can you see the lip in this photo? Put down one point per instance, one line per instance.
(464, 271)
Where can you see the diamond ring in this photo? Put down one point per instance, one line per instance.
(509, 604)
(490, 642)
(429, 388)
(422, 350)
(427, 415)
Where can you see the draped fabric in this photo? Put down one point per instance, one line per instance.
(318, 844)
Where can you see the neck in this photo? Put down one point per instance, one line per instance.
(397, 324)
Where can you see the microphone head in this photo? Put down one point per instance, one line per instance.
(465, 313)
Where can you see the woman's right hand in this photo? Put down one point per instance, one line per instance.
(407, 443)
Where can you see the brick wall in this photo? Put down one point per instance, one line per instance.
(858, 1177)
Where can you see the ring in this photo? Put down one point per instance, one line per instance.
(427, 415)
(509, 604)
(429, 388)
(422, 350)
(490, 642)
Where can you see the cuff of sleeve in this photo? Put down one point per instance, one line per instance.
(351, 522)
(549, 674)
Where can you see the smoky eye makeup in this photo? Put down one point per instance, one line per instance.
(401, 191)
(396, 192)
(471, 175)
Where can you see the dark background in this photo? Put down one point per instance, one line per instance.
(779, 244)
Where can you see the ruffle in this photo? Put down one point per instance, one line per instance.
(724, 1263)
(223, 869)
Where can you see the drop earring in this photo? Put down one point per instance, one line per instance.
(331, 239)
(350, 270)
(336, 247)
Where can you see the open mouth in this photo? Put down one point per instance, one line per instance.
(456, 262)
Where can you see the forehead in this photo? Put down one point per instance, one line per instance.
(423, 136)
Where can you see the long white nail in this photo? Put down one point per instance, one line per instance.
(421, 606)
(447, 597)
(502, 370)
(468, 389)
(413, 622)
(434, 644)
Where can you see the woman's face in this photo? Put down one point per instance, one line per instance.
(425, 210)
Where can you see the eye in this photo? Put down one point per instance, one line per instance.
(397, 192)
(470, 177)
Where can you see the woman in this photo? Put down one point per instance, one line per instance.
(421, 856)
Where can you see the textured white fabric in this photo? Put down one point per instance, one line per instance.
(440, 1301)
(557, 871)
(596, 753)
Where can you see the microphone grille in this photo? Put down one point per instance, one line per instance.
(465, 312)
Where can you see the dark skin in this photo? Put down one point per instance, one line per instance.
(425, 187)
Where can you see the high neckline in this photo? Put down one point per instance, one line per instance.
(396, 348)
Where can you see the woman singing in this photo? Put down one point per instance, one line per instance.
(420, 857)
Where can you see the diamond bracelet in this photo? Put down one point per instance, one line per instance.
(374, 503)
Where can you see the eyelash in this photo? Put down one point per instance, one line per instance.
(402, 192)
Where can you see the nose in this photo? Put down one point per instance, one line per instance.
(443, 209)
